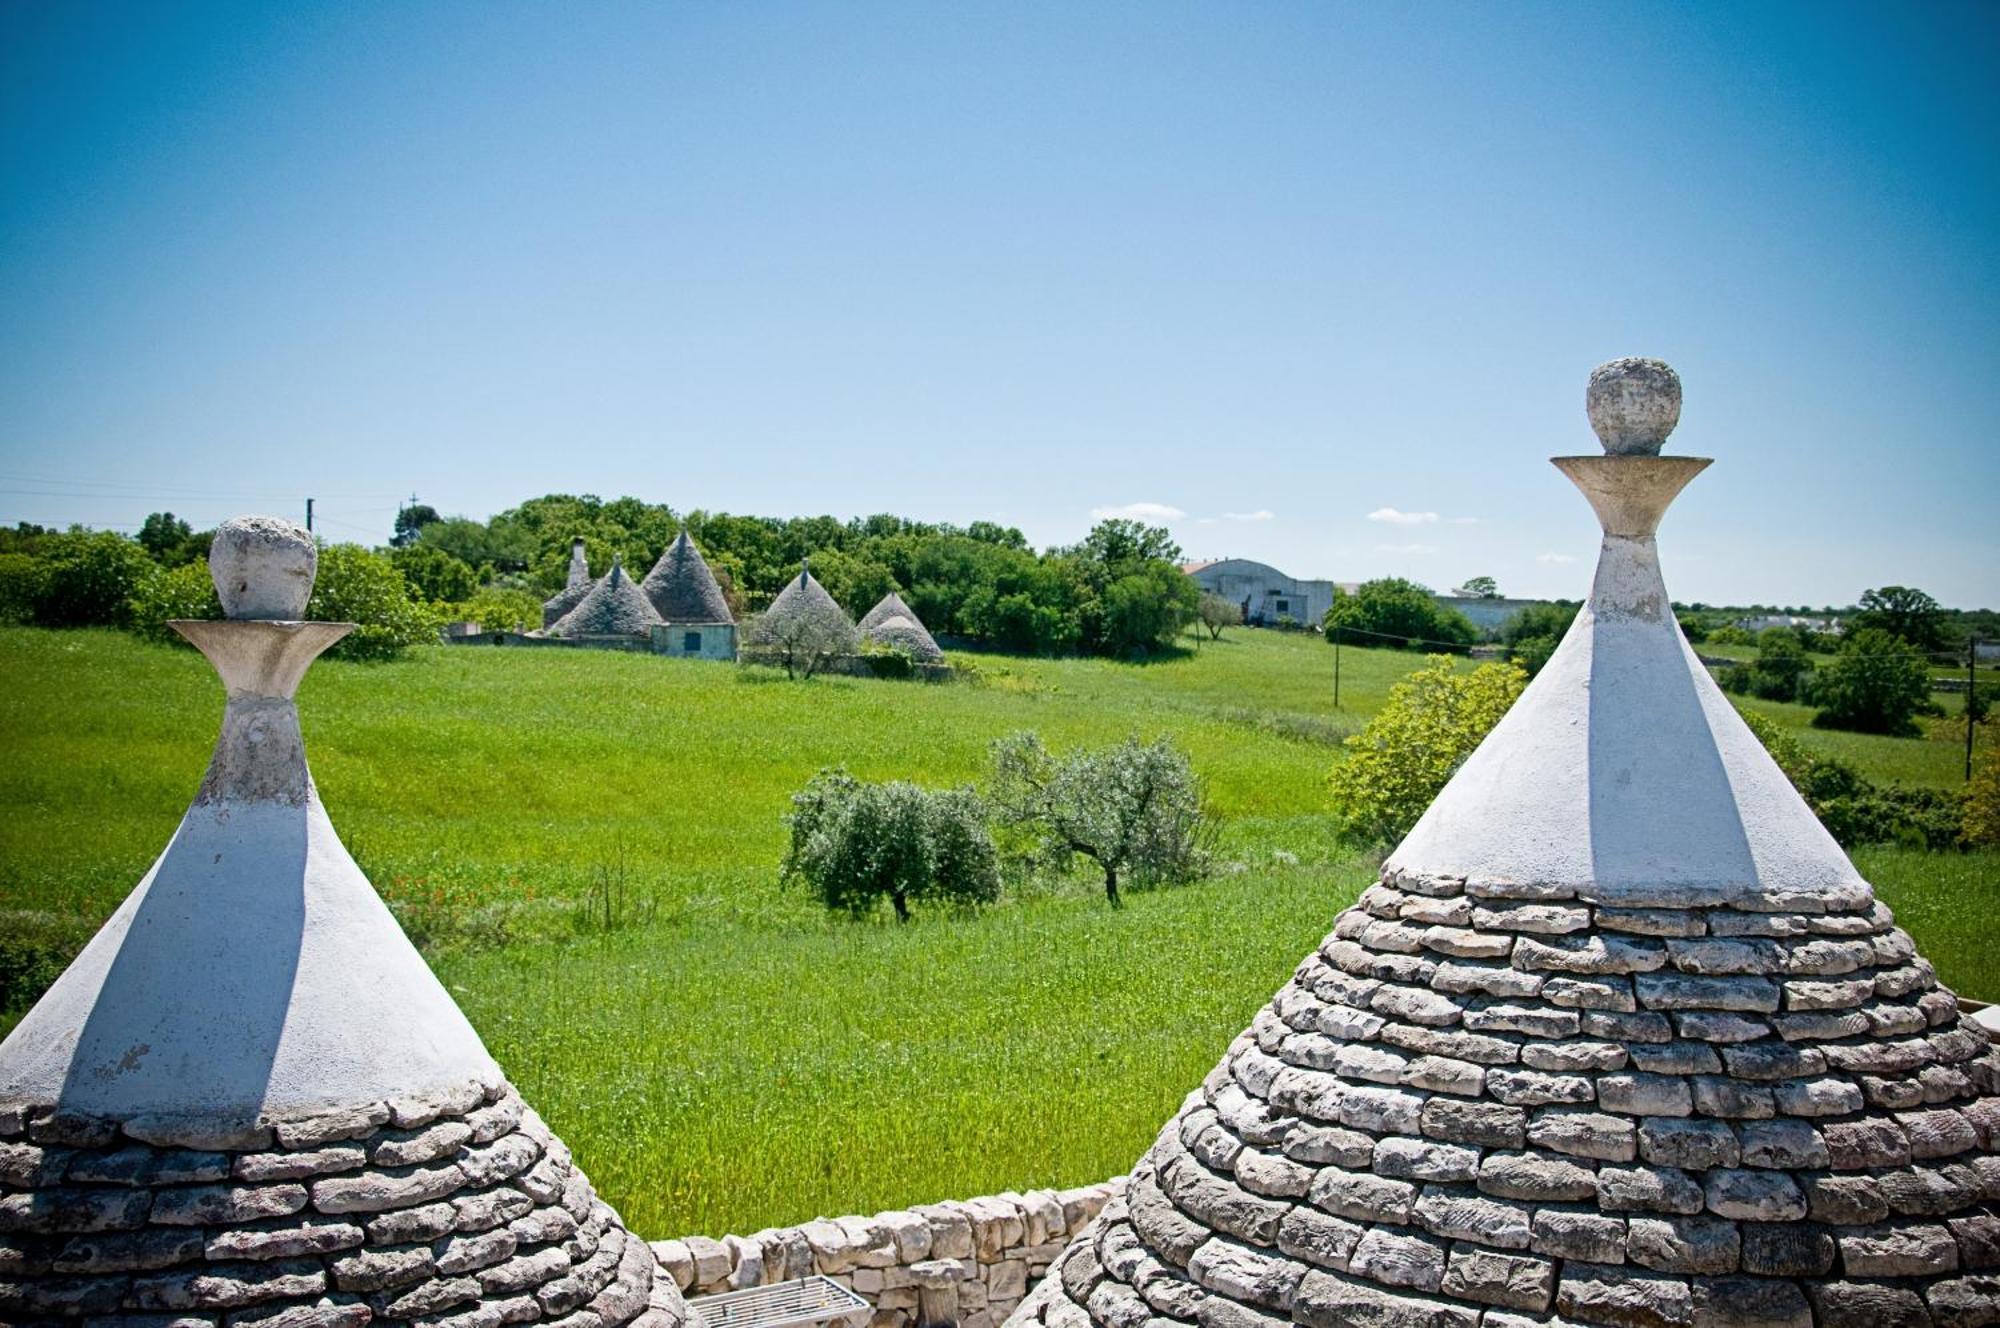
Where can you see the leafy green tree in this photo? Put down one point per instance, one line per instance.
(1146, 609)
(1532, 634)
(87, 579)
(410, 523)
(434, 574)
(500, 609)
(1483, 586)
(1904, 612)
(170, 541)
(854, 844)
(1218, 612)
(358, 586)
(1877, 684)
(187, 591)
(505, 546)
(1135, 810)
(1782, 669)
(1393, 612)
(20, 586)
(1400, 762)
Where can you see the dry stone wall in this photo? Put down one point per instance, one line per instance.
(968, 1262)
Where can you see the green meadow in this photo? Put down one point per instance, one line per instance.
(586, 845)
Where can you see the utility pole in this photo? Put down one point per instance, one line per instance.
(1971, 697)
(309, 516)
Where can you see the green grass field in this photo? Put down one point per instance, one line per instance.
(720, 1054)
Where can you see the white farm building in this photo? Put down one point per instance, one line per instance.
(1264, 593)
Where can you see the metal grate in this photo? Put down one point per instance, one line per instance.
(815, 1299)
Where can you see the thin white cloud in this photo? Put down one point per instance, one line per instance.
(1138, 512)
(1554, 558)
(1406, 548)
(1465, 521)
(1390, 516)
(1261, 514)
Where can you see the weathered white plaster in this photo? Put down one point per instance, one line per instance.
(254, 971)
(1623, 773)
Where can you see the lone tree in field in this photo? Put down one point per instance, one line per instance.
(1135, 810)
(1877, 684)
(1217, 613)
(855, 843)
(804, 630)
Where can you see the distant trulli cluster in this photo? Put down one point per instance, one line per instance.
(248, 1101)
(679, 609)
(1620, 1038)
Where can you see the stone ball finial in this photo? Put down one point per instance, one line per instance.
(1634, 403)
(263, 568)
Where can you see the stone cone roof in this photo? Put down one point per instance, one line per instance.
(615, 606)
(1717, 1087)
(804, 597)
(912, 635)
(249, 1096)
(682, 588)
(573, 591)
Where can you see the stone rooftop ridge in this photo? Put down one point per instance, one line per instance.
(1560, 1069)
(683, 589)
(894, 622)
(615, 606)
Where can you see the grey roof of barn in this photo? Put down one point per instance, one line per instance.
(682, 588)
(1620, 1037)
(615, 606)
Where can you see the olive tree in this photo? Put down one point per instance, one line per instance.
(802, 642)
(1135, 810)
(855, 843)
(1216, 613)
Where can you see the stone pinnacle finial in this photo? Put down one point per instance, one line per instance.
(263, 568)
(1634, 403)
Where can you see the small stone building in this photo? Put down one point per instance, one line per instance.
(249, 1102)
(894, 623)
(614, 613)
(1620, 1037)
(695, 621)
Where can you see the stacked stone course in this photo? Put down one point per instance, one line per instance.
(968, 1262)
(454, 1211)
(1721, 1115)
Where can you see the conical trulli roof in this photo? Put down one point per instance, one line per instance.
(892, 622)
(574, 589)
(1620, 1038)
(615, 606)
(805, 599)
(249, 1101)
(682, 588)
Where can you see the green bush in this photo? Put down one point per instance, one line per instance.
(500, 609)
(1729, 634)
(87, 579)
(1399, 763)
(1852, 808)
(888, 661)
(1782, 672)
(855, 844)
(1533, 634)
(20, 587)
(1979, 827)
(187, 591)
(1392, 611)
(1135, 810)
(1877, 684)
(435, 574)
(357, 586)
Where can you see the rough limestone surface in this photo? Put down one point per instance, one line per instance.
(249, 1102)
(682, 589)
(1749, 1104)
(263, 568)
(906, 635)
(615, 606)
(892, 605)
(575, 587)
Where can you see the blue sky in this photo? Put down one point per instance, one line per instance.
(1326, 281)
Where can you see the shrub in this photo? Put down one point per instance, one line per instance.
(357, 586)
(1394, 611)
(500, 609)
(1781, 672)
(1407, 753)
(887, 661)
(87, 579)
(1853, 809)
(1877, 684)
(854, 844)
(1135, 810)
(1217, 613)
(1980, 825)
(20, 587)
(1729, 634)
(187, 591)
(1694, 629)
(1533, 634)
(435, 574)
